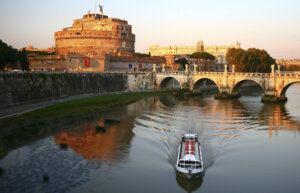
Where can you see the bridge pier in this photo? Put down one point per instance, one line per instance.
(226, 93)
(273, 99)
(270, 97)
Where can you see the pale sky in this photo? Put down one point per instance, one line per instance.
(273, 25)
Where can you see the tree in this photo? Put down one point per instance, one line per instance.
(182, 61)
(236, 56)
(23, 60)
(252, 60)
(258, 60)
(8, 55)
(203, 55)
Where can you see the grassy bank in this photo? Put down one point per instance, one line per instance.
(22, 129)
(78, 107)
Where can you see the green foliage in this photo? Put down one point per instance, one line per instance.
(182, 61)
(8, 56)
(251, 60)
(203, 55)
(23, 60)
(236, 57)
(141, 54)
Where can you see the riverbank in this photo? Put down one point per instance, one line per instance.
(77, 105)
(22, 129)
(25, 108)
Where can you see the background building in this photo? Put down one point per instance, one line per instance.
(218, 51)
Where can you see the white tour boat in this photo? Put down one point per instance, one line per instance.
(189, 159)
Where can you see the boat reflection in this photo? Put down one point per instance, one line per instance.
(189, 185)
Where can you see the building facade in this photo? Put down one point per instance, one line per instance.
(96, 35)
(218, 51)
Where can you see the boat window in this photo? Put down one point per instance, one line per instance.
(189, 162)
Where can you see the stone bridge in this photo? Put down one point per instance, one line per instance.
(273, 84)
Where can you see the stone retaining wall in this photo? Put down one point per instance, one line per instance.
(27, 87)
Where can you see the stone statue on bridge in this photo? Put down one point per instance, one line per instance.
(163, 68)
(195, 68)
(154, 67)
(186, 68)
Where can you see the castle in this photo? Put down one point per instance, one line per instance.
(96, 35)
(94, 43)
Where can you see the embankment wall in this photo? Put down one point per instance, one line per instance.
(28, 87)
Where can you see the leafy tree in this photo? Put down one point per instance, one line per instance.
(236, 56)
(258, 60)
(182, 61)
(8, 55)
(203, 55)
(23, 60)
(251, 60)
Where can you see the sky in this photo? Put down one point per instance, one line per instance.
(272, 25)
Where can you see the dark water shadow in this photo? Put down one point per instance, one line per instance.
(189, 185)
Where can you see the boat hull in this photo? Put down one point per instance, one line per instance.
(190, 176)
(189, 173)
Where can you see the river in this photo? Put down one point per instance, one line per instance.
(247, 146)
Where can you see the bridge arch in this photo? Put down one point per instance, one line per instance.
(285, 88)
(169, 82)
(239, 84)
(197, 84)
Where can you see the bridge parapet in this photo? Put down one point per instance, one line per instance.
(248, 74)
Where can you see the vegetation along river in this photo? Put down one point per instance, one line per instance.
(247, 146)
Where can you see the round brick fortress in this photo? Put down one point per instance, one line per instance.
(96, 35)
